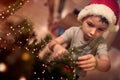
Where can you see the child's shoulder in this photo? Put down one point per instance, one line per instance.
(74, 28)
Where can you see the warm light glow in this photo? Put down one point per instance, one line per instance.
(3, 67)
(22, 78)
(35, 73)
(43, 71)
(28, 1)
(25, 57)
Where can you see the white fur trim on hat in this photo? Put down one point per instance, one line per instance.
(98, 9)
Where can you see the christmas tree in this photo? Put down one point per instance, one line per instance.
(19, 58)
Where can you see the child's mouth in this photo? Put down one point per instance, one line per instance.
(86, 37)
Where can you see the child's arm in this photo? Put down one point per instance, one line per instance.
(103, 62)
(90, 62)
(57, 41)
(56, 46)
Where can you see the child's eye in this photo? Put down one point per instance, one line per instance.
(101, 29)
(90, 24)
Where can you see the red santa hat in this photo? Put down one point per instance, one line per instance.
(106, 8)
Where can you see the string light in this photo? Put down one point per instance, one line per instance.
(11, 13)
(7, 11)
(11, 9)
(61, 78)
(43, 71)
(9, 6)
(32, 52)
(52, 77)
(27, 48)
(46, 66)
(21, 4)
(8, 34)
(35, 73)
(2, 17)
(37, 56)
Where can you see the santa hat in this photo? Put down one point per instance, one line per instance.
(106, 8)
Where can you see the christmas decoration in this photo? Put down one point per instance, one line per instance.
(11, 9)
(19, 51)
(19, 58)
(12, 49)
(64, 67)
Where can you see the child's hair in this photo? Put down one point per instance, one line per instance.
(103, 19)
(106, 8)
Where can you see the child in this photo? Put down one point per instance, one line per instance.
(95, 19)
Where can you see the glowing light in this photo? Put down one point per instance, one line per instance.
(11, 13)
(20, 42)
(38, 78)
(22, 78)
(43, 64)
(36, 56)
(33, 49)
(3, 17)
(25, 57)
(9, 6)
(13, 29)
(52, 77)
(5, 48)
(35, 73)
(3, 67)
(13, 4)
(3, 12)
(21, 4)
(8, 11)
(26, 48)
(61, 78)
(13, 9)
(8, 34)
(28, 1)
(43, 71)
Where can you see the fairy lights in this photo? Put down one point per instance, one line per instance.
(11, 9)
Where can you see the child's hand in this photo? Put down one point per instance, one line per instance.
(52, 44)
(87, 62)
(58, 51)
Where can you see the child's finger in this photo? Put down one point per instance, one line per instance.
(85, 57)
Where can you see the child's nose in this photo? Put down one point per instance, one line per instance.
(92, 32)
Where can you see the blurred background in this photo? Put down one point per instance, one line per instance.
(24, 25)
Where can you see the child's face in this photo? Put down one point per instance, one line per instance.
(93, 27)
